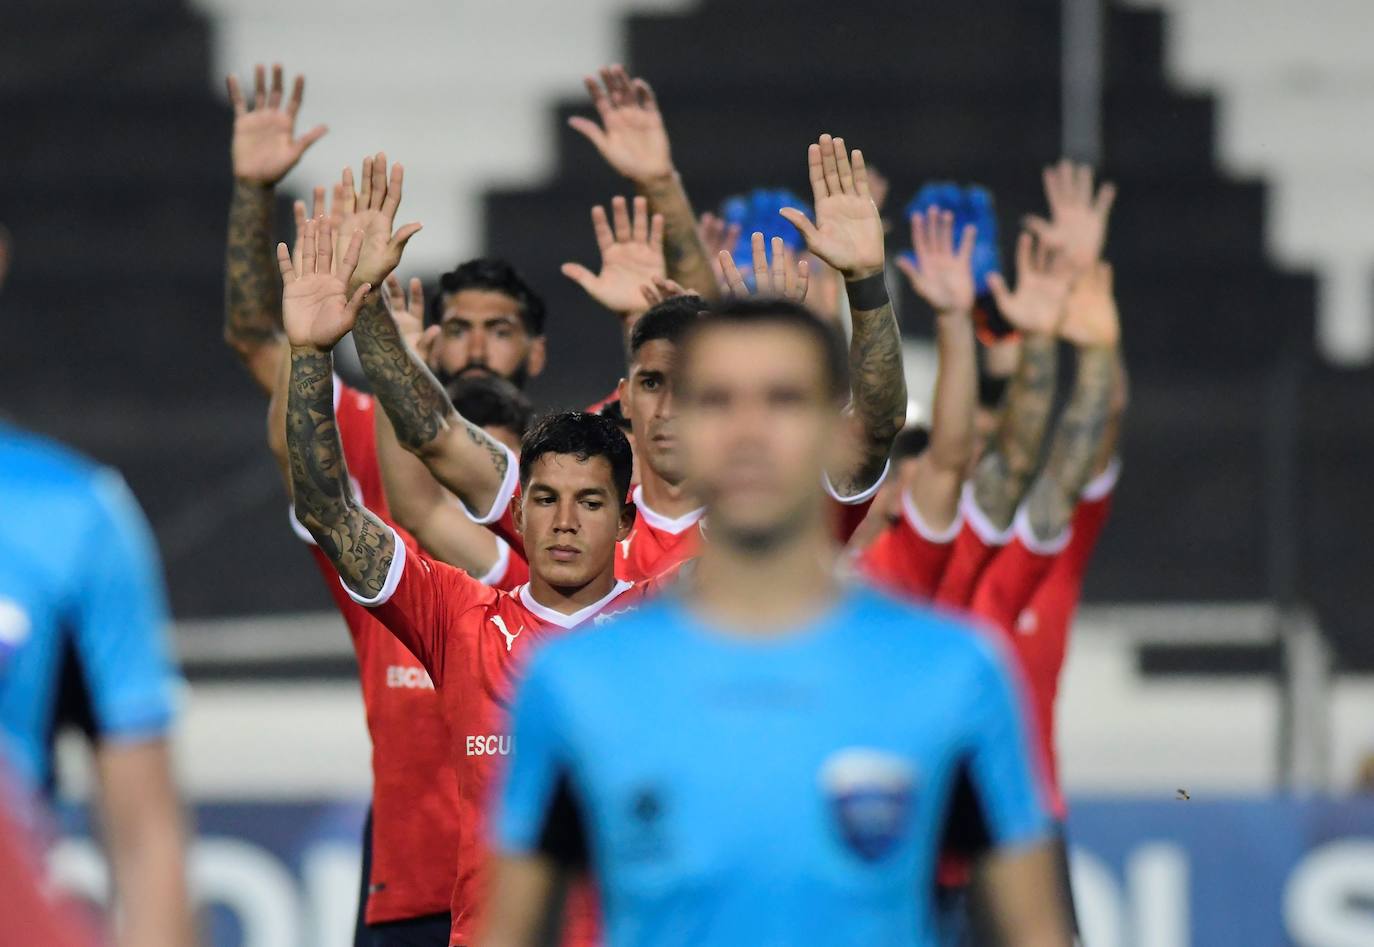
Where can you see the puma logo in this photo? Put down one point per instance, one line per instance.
(500, 624)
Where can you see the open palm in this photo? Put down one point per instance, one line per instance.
(316, 309)
(848, 232)
(1042, 286)
(371, 211)
(631, 256)
(631, 136)
(265, 146)
(1078, 218)
(941, 274)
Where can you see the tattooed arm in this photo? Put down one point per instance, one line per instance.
(460, 455)
(1091, 323)
(359, 544)
(264, 149)
(633, 140)
(848, 236)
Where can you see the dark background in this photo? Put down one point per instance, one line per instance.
(1246, 458)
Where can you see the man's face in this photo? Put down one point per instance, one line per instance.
(757, 426)
(571, 519)
(481, 332)
(646, 397)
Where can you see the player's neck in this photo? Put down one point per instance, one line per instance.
(671, 500)
(751, 593)
(566, 599)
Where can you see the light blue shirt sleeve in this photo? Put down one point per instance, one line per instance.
(121, 627)
(537, 766)
(1003, 768)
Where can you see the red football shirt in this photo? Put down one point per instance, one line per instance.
(473, 640)
(978, 541)
(909, 557)
(415, 827)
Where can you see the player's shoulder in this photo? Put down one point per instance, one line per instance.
(25, 455)
(918, 631)
(56, 481)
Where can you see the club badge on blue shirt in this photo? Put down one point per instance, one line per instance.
(870, 794)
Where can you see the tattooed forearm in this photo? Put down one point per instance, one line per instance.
(359, 544)
(1003, 474)
(683, 252)
(417, 405)
(1076, 443)
(878, 392)
(252, 284)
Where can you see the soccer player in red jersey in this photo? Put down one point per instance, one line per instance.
(574, 470)
(848, 236)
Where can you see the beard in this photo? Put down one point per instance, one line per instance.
(449, 380)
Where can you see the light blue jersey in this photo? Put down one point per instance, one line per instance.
(794, 790)
(79, 575)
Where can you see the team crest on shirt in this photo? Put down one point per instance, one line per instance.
(871, 794)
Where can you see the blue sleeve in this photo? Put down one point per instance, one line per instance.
(121, 620)
(537, 813)
(1004, 773)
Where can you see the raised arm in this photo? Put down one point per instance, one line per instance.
(1091, 324)
(633, 140)
(848, 236)
(631, 258)
(317, 314)
(460, 455)
(942, 275)
(263, 150)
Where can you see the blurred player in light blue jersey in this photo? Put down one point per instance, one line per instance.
(81, 597)
(769, 756)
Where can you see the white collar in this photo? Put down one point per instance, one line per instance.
(665, 524)
(546, 614)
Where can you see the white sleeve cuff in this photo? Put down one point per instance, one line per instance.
(393, 576)
(1104, 483)
(298, 527)
(858, 498)
(978, 520)
(939, 537)
(498, 571)
(503, 496)
(1021, 526)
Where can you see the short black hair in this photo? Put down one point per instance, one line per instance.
(491, 274)
(782, 312)
(669, 320)
(584, 436)
(488, 401)
(910, 442)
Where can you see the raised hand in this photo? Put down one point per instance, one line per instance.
(631, 256)
(848, 233)
(1042, 285)
(662, 290)
(631, 136)
(1090, 315)
(941, 274)
(716, 235)
(408, 310)
(316, 309)
(372, 210)
(1077, 227)
(265, 146)
(788, 277)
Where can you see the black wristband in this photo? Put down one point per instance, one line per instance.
(868, 293)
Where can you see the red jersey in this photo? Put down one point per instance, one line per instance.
(473, 640)
(909, 557)
(415, 827)
(978, 541)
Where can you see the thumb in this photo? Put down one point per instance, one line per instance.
(309, 138)
(424, 345)
(579, 274)
(799, 220)
(403, 235)
(1000, 294)
(589, 130)
(351, 309)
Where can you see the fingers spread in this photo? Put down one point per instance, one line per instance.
(828, 166)
(235, 94)
(601, 226)
(845, 172)
(815, 169)
(259, 87)
(297, 93)
(391, 200)
(620, 217)
(640, 223)
(378, 193)
(288, 269)
(733, 279)
(760, 258)
(274, 94)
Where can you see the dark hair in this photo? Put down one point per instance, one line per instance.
(910, 442)
(614, 411)
(491, 274)
(584, 436)
(669, 320)
(786, 314)
(488, 401)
